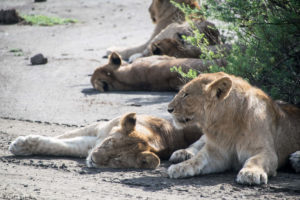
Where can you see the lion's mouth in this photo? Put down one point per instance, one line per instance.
(153, 20)
(105, 86)
(184, 120)
(101, 86)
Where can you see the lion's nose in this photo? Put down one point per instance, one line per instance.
(170, 110)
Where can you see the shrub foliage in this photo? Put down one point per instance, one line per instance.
(266, 51)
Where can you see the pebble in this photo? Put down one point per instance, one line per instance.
(9, 17)
(38, 59)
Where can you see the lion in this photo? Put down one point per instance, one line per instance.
(173, 35)
(244, 129)
(129, 141)
(163, 13)
(145, 74)
(182, 49)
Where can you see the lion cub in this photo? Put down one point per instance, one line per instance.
(243, 129)
(163, 13)
(129, 141)
(145, 74)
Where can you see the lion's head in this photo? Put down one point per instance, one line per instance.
(171, 40)
(126, 148)
(175, 48)
(103, 78)
(200, 100)
(160, 9)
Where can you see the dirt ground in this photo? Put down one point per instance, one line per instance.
(56, 97)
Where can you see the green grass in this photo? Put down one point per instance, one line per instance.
(17, 52)
(42, 20)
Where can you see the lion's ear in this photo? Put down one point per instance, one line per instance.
(128, 123)
(220, 88)
(115, 60)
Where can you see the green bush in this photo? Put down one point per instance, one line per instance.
(267, 49)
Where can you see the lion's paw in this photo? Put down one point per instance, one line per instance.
(181, 170)
(135, 56)
(23, 145)
(252, 176)
(181, 155)
(295, 161)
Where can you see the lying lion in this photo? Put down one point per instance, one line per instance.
(163, 13)
(129, 141)
(243, 128)
(171, 38)
(182, 49)
(145, 74)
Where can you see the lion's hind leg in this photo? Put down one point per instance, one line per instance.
(91, 130)
(41, 145)
(295, 161)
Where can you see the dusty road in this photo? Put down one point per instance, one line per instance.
(50, 99)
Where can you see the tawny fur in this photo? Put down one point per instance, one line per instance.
(244, 129)
(145, 74)
(182, 49)
(175, 32)
(129, 141)
(162, 13)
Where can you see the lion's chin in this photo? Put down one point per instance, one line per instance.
(181, 123)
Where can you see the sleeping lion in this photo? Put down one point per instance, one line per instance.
(130, 141)
(145, 74)
(244, 129)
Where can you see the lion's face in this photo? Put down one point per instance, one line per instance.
(194, 102)
(171, 40)
(170, 47)
(160, 8)
(156, 8)
(103, 78)
(125, 148)
(125, 152)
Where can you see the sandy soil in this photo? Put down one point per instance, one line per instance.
(56, 97)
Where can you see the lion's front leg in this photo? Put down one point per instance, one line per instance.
(257, 168)
(41, 145)
(125, 53)
(185, 154)
(204, 162)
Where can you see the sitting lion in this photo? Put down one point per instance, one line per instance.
(163, 13)
(243, 128)
(129, 141)
(145, 74)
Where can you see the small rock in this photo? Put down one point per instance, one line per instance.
(38, 1)
(38, 59)
(9, 17)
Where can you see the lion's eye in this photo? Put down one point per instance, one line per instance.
(185, 95)
(108, 73)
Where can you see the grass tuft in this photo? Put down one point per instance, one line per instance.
(42, 20)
